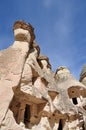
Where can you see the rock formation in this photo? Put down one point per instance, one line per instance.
(32, 96)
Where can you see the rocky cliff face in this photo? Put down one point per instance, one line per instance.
(31, 95)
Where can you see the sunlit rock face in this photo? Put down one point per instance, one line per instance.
(32, 96)
(83, 75)
(22, 35)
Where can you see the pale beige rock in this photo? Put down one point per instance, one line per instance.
(28, 73)
(32, 97)
(9, 122)
(11, 79)
(11, 65)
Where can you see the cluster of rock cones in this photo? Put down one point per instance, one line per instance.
(32, 96)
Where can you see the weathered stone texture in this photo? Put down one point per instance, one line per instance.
(32, 96)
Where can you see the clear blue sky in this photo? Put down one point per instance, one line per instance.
(60, 28)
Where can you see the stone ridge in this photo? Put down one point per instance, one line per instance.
(32, 96)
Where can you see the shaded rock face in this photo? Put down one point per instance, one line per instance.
(32, 96)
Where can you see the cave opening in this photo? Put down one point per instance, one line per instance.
(27, 115)
(60, 127)
(75, 102)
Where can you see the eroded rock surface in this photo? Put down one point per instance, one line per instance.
(32, 96)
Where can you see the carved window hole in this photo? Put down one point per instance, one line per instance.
(75, 102)
(72, 91)
(83, 127)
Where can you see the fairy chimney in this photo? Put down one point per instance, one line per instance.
(44, 61)
(68, 83)
(32, 96)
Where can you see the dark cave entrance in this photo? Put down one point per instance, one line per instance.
(75, 102)
(60, 127)
(27, 115)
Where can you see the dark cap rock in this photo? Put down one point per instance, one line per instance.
(43, 57)
(26, 26)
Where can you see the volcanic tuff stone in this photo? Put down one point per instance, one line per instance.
(31, 95)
